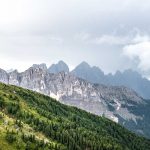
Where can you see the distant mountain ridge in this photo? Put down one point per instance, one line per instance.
(85, 71)
(128, 78)
(59, 67)
(117, 103)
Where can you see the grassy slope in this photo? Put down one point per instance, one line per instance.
(57, 125)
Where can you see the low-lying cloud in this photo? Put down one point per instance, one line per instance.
(141, 52)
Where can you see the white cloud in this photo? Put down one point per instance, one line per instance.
(111, 39)
(132, 37)
(73, 30)
(83, 36)
(140, 51)
(140, 38)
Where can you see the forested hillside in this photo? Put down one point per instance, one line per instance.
(29, 120)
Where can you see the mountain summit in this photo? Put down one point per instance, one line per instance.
(41, 66)
(85, 71)
(59, 67)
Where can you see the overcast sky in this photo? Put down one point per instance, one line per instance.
(111, 34)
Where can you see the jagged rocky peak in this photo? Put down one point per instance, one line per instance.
(82, 69)
(10, 70)
(84, 65)
(59, 67)
(128, 73)
(14, 78)
(132, 73)
(85, 71)
(33, 78)
(4, 78)
(13, 71)
(41, 66)
(36, 71)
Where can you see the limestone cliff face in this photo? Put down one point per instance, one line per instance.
(4, 77)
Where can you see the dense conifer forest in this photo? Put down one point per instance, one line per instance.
(32, 121)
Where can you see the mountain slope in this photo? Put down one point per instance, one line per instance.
(128, 78)
(119, 104)
(30, 120)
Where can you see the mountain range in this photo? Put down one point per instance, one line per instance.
(118, 103)
(128, 78)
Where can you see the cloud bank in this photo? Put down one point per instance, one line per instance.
(100, 32)
(139, 51)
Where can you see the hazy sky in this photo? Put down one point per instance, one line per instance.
(111, 34)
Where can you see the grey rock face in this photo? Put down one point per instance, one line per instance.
(56, 68)
(10, 70)
(41, 66)
(117, 103)
(14, 78)
(4, 78)
(33, 78)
